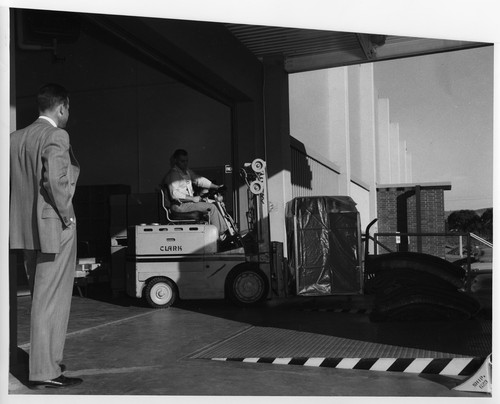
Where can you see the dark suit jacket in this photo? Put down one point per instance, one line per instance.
(43, 179)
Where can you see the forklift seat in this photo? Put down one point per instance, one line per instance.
(179, 217)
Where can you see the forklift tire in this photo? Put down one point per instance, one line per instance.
(246, 286)
(160, 292)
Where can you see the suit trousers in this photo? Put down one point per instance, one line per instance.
(51, 279)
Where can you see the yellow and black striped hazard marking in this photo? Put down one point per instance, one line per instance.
(435, 366)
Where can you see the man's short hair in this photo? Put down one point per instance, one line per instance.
(178, 153)
(50, 96)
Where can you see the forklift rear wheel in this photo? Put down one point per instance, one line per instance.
(160, 293)
(247, 286)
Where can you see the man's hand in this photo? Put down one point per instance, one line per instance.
(196, 199)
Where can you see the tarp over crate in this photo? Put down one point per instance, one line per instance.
(324, 246)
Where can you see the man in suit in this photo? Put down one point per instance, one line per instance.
(43, 173)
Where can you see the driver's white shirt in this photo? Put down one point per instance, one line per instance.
(180, 183)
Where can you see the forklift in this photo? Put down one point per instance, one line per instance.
(182, 259)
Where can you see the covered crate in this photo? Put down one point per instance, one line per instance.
(324, 246)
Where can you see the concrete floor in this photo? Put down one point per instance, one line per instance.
(121, 347)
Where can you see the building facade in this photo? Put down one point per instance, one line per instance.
(348, 128)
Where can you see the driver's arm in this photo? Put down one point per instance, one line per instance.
(202, 182)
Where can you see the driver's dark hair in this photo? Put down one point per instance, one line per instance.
(51, 95)
(178, 153)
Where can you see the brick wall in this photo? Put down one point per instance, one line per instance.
(397, 211)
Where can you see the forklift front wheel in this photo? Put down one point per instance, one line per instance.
(160, 292)
(246, 286)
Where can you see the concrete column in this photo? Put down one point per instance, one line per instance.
(368, 135)
(248, 144)
(277, 137)
(394, 152)
(339, 125)
(383, 156)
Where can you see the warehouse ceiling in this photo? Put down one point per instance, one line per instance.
(301, 49)
(309, 49)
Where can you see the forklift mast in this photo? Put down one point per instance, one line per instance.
(255, 176)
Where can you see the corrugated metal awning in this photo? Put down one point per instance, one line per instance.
(310, 49)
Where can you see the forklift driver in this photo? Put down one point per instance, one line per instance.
(180, 180)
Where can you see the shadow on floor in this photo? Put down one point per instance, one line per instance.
(471, 337)
(102, 292)
(330, 315)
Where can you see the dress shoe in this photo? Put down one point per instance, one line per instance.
(58, 382)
